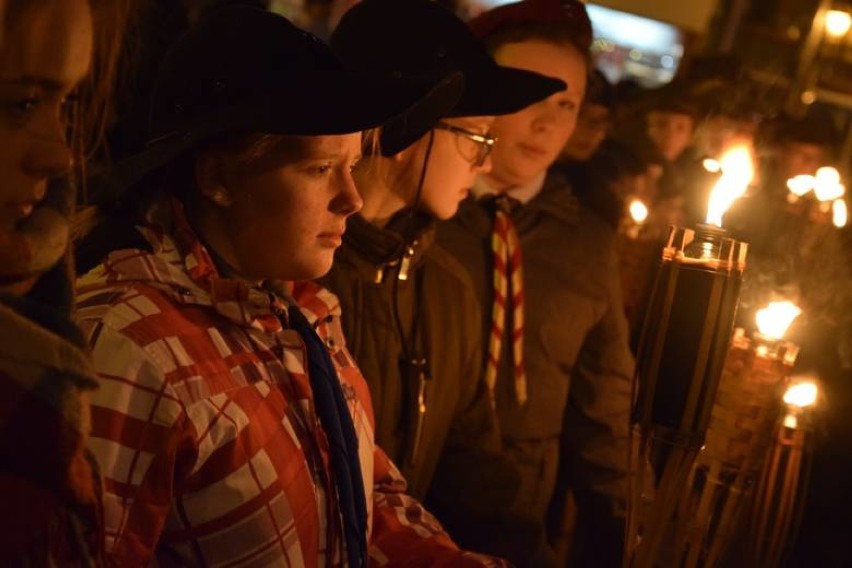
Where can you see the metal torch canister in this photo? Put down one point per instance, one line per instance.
(684, 342)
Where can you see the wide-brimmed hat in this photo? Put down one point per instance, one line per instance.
(419, 38)
(243, 69)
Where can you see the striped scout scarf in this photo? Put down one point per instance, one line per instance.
(508, 298)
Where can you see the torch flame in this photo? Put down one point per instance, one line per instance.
(801, 184)
(638, 211)
(827, 174)
(737, 173)
(774, 320)
(801, 395)
(827, 186)
(839, 213)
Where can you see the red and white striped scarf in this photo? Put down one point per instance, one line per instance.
(508, 298)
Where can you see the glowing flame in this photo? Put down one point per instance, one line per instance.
(839, 213)
(638, 211)
(827, 186)
(737, 173)
(801, 184)
(801, 395)
(828, 175)
(711, 165)
(774, 320)
(837, 23)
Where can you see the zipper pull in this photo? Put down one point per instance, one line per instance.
(406, 261)
(417, 438)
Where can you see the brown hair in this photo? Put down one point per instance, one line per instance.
(93, 109)
(555, 32)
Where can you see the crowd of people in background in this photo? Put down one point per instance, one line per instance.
(361, 286)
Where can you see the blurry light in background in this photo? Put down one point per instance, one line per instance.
(801, 394)
(837, 23)
(775, 319)
(711, 165)
(827, 186)
(839, 213)
(801, 184)
(638, 211)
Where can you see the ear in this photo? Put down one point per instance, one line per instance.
(209, 179)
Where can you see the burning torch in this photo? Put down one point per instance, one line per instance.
(739, 437)
(780, 493)
(685, 340)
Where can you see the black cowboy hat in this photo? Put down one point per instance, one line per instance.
(243, 69)
(421, 38)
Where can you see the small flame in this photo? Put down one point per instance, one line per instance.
(837, 23)
(638, 211)
(775, 319)
(827, 186)
(790, 421)
(839, 213)
(801, 395)
(801, 184)
(827, 174)
(711, 165)
(737, 173)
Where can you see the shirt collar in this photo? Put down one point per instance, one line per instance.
(522, 193)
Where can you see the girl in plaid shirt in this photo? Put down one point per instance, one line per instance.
(232, 425)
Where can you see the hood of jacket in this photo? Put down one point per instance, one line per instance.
(180, 266)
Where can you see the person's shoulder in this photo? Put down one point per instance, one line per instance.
(447, 267)
(141, 311)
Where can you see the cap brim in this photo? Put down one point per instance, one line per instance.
(327, 104)
(498, 90)
(407, 127)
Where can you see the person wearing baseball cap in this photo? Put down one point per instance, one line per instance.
(409, 310)
(558, 351)
(232, 426)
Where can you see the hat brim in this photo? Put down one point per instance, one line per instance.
(407, 127)
(329, 104)
(498, 90)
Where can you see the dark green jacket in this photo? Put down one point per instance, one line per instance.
(460, 427)
(577, 358)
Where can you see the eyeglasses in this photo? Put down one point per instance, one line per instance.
(485, 143)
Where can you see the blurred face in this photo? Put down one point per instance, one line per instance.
(670, 132)
(453, 164)
(529, 141)
(715, 134)
(45, 53)
(593, 123)
(286, 212)
(799, 158)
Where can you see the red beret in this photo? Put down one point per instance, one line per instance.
(570, 12)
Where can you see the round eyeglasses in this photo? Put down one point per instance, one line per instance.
(484, 142)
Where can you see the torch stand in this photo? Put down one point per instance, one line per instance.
(780, 493)
(748, 406)
(684, 342)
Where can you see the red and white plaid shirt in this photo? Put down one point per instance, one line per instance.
(205, 427)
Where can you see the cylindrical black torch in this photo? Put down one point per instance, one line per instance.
(681, 354)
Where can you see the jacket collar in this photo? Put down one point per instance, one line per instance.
(374, 251)
(523, 193)
(182, 266)
(556, 199)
